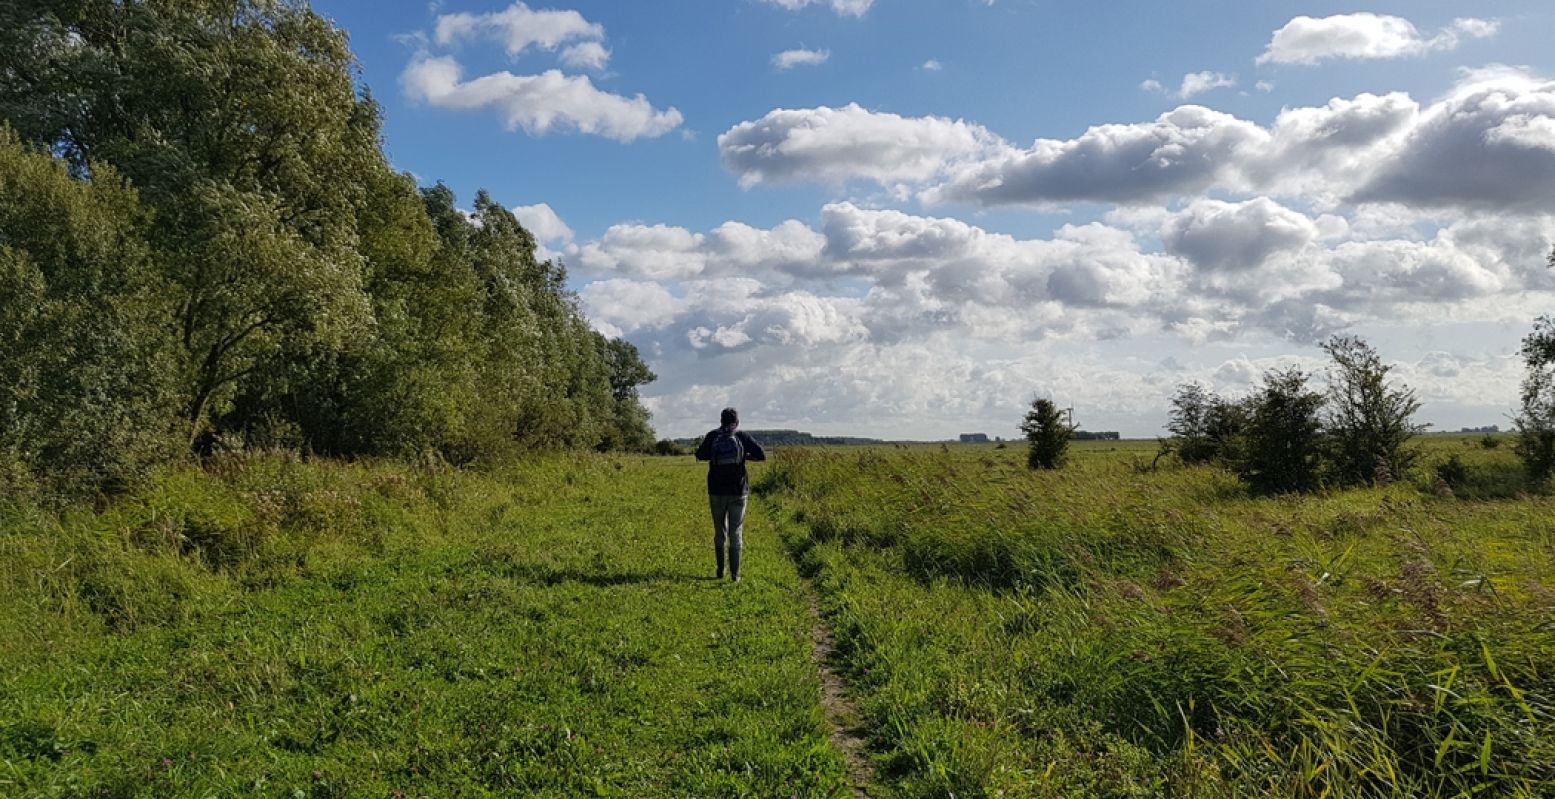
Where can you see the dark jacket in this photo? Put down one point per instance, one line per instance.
(729, 480)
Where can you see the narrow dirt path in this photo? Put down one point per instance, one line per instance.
(841, 713)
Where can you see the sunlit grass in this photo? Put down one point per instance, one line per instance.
(276, 628)
(1108, 630)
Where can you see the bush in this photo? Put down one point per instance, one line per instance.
(1204, 426)
(1452, 472)
(1536, 422)
(1368, 421)
(1048, 433)
(1283, 437)
(668, 447)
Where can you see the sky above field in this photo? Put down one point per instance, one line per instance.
(907, 218)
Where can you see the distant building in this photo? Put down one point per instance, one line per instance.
(974, 438)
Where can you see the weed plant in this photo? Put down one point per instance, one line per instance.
(1109, 631)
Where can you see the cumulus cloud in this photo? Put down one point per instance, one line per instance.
(537, 104)
(931, 65)
(788, 59)
(544, 223)
(839, 144)
(879, 312)
(1308, 40)
(849, 8)
(1196, 83)
(1487, 144)
(518, 28)
(1185, 150)
(586, 55)
(1222, 237)
(1221, 268)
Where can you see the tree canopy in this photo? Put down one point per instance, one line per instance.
(203, 245)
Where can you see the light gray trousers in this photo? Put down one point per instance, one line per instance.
(728, 524)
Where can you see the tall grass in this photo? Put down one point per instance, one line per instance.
(1110, 631)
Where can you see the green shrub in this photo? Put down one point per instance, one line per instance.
(1047, 433)
(1283, 439)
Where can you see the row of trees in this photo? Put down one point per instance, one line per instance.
(202, 244)
(1286, 437)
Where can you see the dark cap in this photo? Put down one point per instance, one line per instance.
(729, 416)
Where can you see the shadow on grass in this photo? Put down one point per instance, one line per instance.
(549, 575)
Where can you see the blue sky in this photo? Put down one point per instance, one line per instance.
(873, 240)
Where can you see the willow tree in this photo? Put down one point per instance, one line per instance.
(86, 396)
(239, 124)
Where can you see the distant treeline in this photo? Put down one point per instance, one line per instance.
(203, 246)
(1096, 435)
(789, 438)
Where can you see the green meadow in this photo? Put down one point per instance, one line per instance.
(1114, 630)
(275, 628)
(268, 626)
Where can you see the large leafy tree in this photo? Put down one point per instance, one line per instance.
(86, 396)
(288, 288)
(239, 124)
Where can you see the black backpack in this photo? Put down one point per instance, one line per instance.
(727, 449)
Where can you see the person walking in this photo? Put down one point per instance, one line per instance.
(726, 450)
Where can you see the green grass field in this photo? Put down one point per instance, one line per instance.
(1108, 630)
(282, 629)
(276, 628)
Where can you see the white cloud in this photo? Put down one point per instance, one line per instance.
(1152, 85)
(851, 8)
(840, 144)
(1183, 151)
(1196, 83)
(543, 222)
(518, 28)
(586, 55)
(931, 65)
(1308, 40)
(788, 59)
(661, 252)
(624, 306)
(933, 322)
(1220, 236)
(1265, 86)
(1490, 144)
(537, 103)
(1487, 144)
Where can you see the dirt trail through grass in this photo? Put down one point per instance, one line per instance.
(841, 712)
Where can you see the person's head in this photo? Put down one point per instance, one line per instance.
(729, 418)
